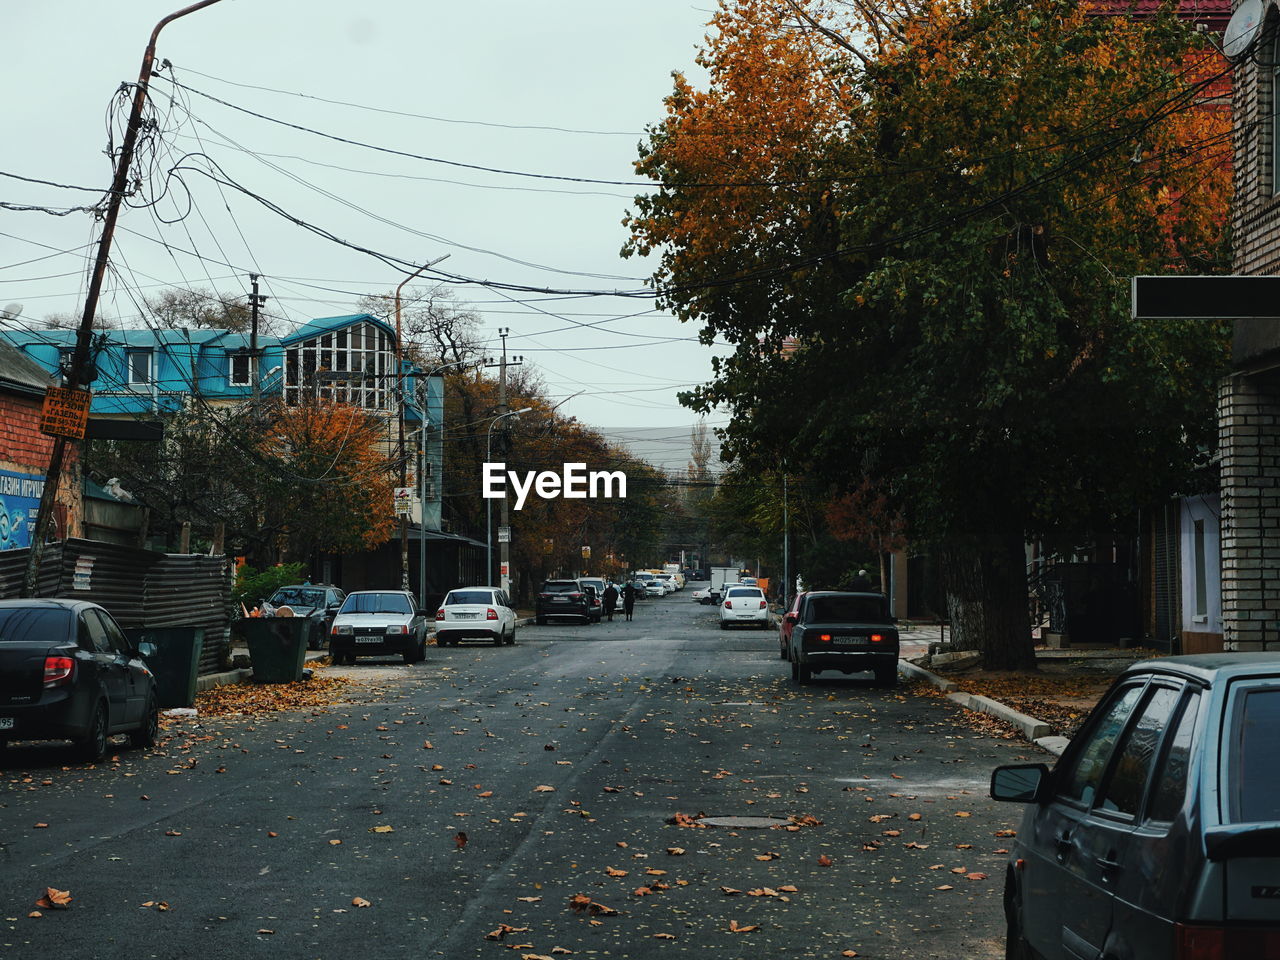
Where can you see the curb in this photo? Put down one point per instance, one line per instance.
(211, 680)
(1036, 731)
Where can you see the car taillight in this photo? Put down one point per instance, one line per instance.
(728, 604)
(877, 637)
(58, 670)
(763, 604)
(440, 614)
(491, 614)
(825, 637)
(575, 596)
(1225, 943)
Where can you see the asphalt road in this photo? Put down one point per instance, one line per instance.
(563, 760)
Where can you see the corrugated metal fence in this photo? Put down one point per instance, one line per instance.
(140, 588)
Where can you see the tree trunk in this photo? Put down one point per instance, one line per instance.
(986, 586)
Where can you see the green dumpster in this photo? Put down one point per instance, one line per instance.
(277, 647)
(175, 663)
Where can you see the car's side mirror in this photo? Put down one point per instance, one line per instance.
(1020, 783)
(791, 617)
(147, 649)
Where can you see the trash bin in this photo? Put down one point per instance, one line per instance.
(175, 663)
(277, 647)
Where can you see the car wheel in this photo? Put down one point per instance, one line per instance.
(804, 673)
(511, 639)
(782, 651)
(1015, 944)
(93, 745)
(144, 738)
(724, 625)
(498, 639)
(887, 676)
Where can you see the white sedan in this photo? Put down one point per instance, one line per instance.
(655, 588)
(482, 613)
(702, 595)
(744, 605)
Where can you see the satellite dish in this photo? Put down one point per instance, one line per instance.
(1243, 30)
(11, 311)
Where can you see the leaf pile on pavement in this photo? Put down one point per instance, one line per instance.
(1061, 700)
(260, 698)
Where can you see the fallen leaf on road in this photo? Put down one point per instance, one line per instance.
(734, 927)
(730, 891)
(581, 903)
(460, 839)
(543, 788)
(848, 953)
(486, 793)
(360, 902)
(503, 930)
(35, 913)
(1006, 833)
(615, 872)
(963, 813)
(914, 816)
(54, 899)
(383, 828)
(334, 843)
(664, 936)
(173, 833)
(945, 886)
(789, 889)
(824, 861)
(272, 833)
(675, 851)
(530, 900)
(641, 892)
(975, 876)
(264, 930)
(41, 826)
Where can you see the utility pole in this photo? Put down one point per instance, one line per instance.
(504, 557)
(255, 377)
(75, 377)
(786, 548)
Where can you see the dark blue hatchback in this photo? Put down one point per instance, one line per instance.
(1157, 834)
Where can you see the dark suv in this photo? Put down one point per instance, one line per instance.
(1157, 835)
(563, 598)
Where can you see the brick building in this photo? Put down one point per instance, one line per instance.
(1249, 399)
(25, 452)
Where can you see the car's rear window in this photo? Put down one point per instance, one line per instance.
(377, 603)
(561, 586)
(846, 610)
(1254, 790)
(34, 624)
(746, 592)
(469, 596)
(297, 598)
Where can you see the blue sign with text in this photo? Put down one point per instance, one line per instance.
(19, 504)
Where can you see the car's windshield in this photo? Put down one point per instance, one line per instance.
(846, 610)
(377, 603)
(468, 596)
(561, 586)
(27, 624)
(297, 597)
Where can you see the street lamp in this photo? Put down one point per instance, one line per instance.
(488, 456)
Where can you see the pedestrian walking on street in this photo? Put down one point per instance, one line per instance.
(610, 601)
(628, 599)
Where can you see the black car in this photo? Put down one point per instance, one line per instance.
(318, 602)
(848, 632)
(563, 598)
(68, 672)
(1157, 834)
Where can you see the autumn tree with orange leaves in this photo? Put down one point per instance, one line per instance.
(328, 484)
(941, 207)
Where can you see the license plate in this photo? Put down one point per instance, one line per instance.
(368, 639)
(6, 723)
(465, 616)
(850, 641)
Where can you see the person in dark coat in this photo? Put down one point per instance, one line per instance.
(861, 583)
(628, 599)
(610, 601)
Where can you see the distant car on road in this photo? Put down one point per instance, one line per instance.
(318, 602)
(702, 595)
(595, 599)
(68, 672)
(785, 625)
(483, 613)
(848, 632)
(655, 588)
(1156, 836)
(378, 622)
(562, 598)
(745, 606)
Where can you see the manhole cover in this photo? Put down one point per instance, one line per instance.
(744, 822)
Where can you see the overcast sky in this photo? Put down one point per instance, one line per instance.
(561, 90)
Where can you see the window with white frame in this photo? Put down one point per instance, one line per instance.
(240, 368)
(354, 366)
(139, 366)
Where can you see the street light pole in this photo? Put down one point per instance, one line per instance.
(84, 334)
(404, 461)
(488, 456)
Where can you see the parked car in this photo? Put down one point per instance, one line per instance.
(1155, 835)
(702, 595)
(595, 599)
(744, 605)
(849, 632)
(378, 622)
(670, 580)
(640, 587)
(68, 672)
(785, 624)
(562, 598)
(596, 582)
(318, 602)
(655, 588)
(483, 613)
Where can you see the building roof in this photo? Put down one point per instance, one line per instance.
(20, 374)
(323, 325)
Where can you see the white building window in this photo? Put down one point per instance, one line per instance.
(351, 366)
(139, 366)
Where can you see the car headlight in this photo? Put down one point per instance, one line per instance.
(398, 628)
(342, 629)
